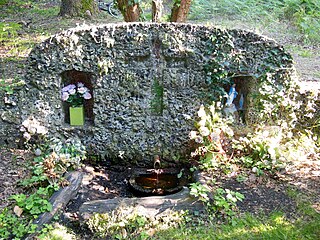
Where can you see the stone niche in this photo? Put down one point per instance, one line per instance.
(72, 77)
(145, 78)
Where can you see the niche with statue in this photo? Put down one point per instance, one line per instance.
(239, 98)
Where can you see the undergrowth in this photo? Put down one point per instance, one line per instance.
(304, 14)
(47, 169)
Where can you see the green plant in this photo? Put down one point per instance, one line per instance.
(225, 202)
(118, 224)
(54, 159)
(273, 148)
(56, 232)
(37, 174)
(14, 227)
(128, 223)
(35, 203)
(200, 191)
(57, 157)
(219, 48)
(212, 131)
(305, 14)
(8, 86)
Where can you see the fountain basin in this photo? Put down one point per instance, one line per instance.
(153, 182)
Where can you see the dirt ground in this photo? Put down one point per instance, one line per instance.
(262, 194)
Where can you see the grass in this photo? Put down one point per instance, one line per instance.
(306, 225)
(276, 226)
(300, 50)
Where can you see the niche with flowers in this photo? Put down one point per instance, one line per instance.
(77, 90)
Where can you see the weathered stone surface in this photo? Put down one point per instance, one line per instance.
(145, 78)
(149, 206)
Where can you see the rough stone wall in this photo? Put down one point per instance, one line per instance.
(146, 78)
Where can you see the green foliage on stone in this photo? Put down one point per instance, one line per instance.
(157, 104)
(9, 86)
(127, 222)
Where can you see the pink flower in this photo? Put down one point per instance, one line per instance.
(87, 96)
(68, 88)
(72, 91)
(65, 96)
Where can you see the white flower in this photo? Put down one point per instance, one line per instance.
(215, 136)
(82, 90)
(266, 162)
(202, 122)
(212, 109)
(201, 112)
(41, 130)
(231, 198)
(32, 129)
(27, 136)
(72, 91)
(204, 131)
(193, 134)
(254, 169)
(186, 116)
(65, 96)
(87, 96)
(26, 123)
(121, 154)
(193, 154)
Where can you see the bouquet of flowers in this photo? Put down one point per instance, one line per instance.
(75, 94)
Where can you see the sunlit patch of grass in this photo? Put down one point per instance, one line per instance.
(276, 226)
(45, 12)
(19, 46)
(301, 51)
(317, 74)
(57, 232)
(14, 42)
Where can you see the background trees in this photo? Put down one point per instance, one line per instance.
(78, 8)
(130, 9)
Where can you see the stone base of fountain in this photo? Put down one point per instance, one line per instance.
(154, 182)
(147, 206)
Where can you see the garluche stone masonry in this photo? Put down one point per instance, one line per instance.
(146, 79)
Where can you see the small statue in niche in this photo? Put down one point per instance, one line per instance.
(230, 108)
(231, 95)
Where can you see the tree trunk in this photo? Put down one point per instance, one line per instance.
(157, 8)
(78, 8)
(130, 10)
(180, 10)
